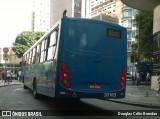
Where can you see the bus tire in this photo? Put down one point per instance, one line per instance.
(25, 87)
(35, 94)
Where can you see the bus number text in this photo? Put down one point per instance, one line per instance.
(109, 95)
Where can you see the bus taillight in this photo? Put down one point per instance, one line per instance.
(122, 80)
(64, 75)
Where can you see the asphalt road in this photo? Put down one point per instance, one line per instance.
(16, 98)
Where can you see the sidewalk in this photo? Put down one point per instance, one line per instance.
(141, 95)
(14, 82)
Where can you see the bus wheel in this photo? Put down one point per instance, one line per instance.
(35, 94)
(25, 87)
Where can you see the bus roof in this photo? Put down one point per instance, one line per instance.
(72, 19)
(93, 20)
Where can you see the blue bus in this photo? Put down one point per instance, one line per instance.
(78, 58)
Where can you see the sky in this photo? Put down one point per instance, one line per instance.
(15, 17)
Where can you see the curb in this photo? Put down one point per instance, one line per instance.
(9, 85)
(134, 103)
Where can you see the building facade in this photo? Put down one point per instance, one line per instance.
(10, 61)
(127, 21)
(75, 8)
(41, 15)
(111, 9)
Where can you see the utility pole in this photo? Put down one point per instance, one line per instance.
(5, 55)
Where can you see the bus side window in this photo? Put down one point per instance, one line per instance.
(30, 58)
(46, 48)
(52, 45)
(38, 53)
(34, 56)
(27, 59)
(42, 51)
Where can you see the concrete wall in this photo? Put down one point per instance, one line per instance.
(154, 83)
(156, 20)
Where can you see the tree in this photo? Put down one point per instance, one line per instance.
(144, 23)
(24, 41)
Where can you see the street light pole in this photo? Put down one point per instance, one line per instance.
(5, 55)
(5, 64)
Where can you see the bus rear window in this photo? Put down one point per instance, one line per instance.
(114, 33)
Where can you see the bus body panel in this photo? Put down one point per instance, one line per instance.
(95, 61)
(44, 72)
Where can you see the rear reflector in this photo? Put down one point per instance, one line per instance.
(64, 75)
(122, 79)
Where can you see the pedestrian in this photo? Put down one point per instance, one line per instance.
(8, 75)
(148, 78)
(158, 91)
(1, 78)
(19, 75)
(133, 78)
(138, 77)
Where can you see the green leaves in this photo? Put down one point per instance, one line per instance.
(24, 41)
(144, 23)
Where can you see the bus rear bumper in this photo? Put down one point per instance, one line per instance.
(87, 94)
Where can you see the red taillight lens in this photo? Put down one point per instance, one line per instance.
(64, 75)
(122, 80)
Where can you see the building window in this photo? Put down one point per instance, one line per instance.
(124, 23)
(127, 13)
(127, 23)
(134, 12)
(134, 23)
(129, 45)
(129, 35)
(133, 34)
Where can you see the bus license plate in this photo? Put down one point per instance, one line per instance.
(111, 95)
(95, 86)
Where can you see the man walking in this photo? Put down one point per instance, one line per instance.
(158, 92)
(8, 75)
(1, 78)
(19, 75)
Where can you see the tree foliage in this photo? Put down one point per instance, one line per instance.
(144, 23)
(24, 41)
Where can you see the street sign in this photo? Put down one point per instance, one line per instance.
(5, 50)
